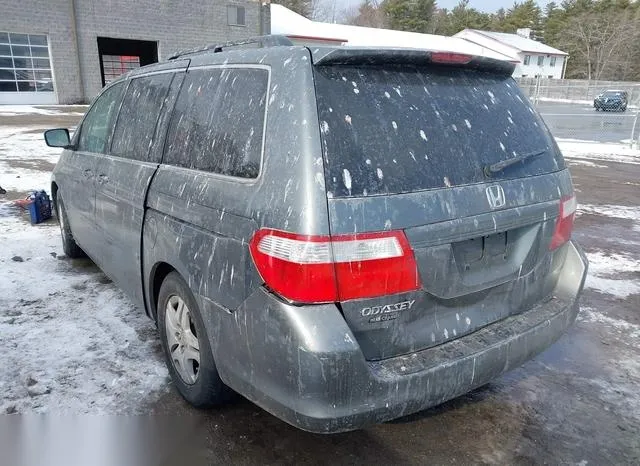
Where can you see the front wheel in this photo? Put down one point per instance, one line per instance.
(186, 346)
(69, 245)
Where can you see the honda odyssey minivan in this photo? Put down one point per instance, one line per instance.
(343, 236)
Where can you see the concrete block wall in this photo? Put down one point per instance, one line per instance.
(174, 24)
(73, 27)
(55, 19)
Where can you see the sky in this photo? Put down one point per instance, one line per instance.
(482, 5)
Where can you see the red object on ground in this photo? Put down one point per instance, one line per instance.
(24, 203)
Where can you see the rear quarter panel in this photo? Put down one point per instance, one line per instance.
(200, 223)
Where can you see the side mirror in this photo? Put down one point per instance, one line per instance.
(57, 138)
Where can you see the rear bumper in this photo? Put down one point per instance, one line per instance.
(305, 367)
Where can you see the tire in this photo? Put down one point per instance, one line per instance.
(597, 109)
(623, 108)
(69, 245)
(198, 383)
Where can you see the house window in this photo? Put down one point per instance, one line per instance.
(527, 59)
(24, 63)
(236, 15)
(552, 61)
(541, 60)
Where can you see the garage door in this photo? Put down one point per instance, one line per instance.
(25, 69)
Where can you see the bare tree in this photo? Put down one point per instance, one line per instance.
(368, 14)
(599, 41)
(325, 11)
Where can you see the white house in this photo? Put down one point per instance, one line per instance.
(534, 58)
(306, 32)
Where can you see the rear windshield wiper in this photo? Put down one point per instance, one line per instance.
(489, 170)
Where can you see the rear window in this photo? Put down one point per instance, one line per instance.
(396, 130)
(613, 93)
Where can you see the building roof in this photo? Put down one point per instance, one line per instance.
(520, 43)
(293, 25)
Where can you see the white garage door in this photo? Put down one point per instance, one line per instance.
(25, 69)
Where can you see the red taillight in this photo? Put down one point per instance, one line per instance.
(450, 58)
(313, 269)
(564, 223)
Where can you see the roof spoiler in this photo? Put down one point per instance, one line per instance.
(390, 56)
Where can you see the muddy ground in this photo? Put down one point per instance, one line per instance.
(577, 403)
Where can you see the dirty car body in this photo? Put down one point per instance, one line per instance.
(365, 233)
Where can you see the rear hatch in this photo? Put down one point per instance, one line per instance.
(418, 148)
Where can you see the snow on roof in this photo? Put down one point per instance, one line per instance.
(289, 23)
(520, 43)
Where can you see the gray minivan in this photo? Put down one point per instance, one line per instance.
(344, 236)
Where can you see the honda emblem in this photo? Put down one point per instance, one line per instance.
(495, 196)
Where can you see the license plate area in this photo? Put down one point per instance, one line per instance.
(481, 252)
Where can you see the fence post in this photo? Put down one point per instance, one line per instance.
(633, 131)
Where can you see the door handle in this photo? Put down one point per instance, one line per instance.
(88, 173)
(103, 179)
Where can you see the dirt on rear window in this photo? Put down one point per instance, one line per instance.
(388, 130)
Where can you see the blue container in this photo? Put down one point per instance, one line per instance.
(40, 207)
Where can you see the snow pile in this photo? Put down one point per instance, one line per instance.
(606, 272)
(70, 340)
(592, 150)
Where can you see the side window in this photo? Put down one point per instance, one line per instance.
(218, 121)
(97, 125)
(139, 115)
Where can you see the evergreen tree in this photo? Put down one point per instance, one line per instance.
(524, 15)
(409, 15)
(464, 17)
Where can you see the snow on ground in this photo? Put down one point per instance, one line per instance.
(624, 328)
(593, 150)
(12, 110)
(71, 341)
(586, 163)
(615, 211)
(606, 272)
(615, 274)
(22, 154)
(564, 101)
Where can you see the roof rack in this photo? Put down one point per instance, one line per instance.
(262, 41)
